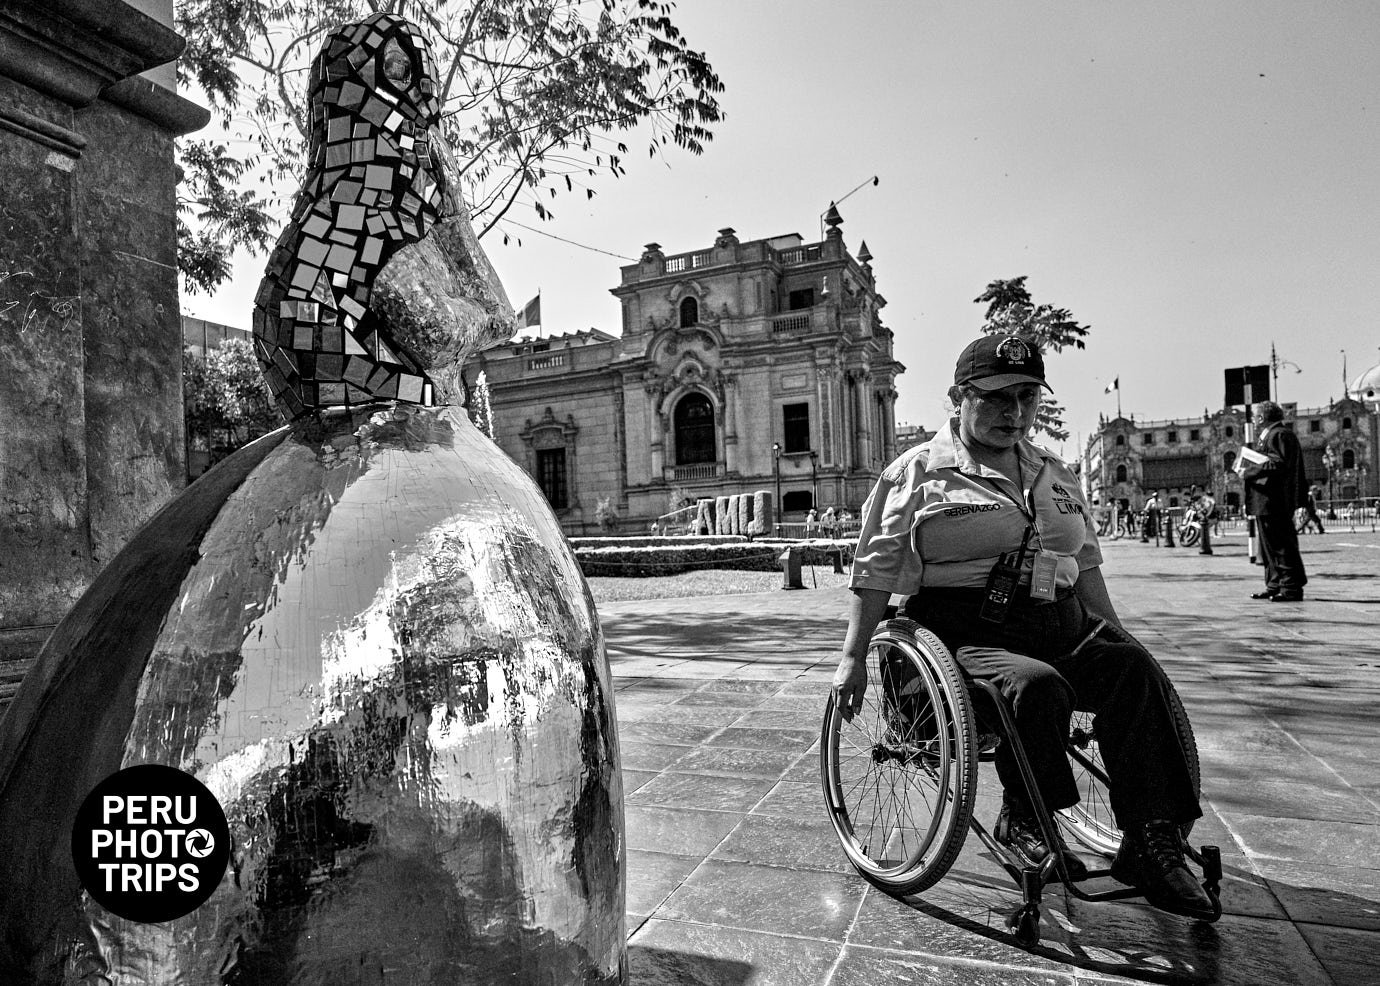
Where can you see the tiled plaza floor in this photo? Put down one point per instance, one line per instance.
(735, 876)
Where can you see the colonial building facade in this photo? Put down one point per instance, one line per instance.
(1127, 460)
(759, 365)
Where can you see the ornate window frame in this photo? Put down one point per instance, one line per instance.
(549, 433)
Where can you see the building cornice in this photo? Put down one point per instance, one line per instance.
(79, 50)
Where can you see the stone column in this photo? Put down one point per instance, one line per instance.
(866, 421)
(656, 431)
(90, 367)
(730, 423)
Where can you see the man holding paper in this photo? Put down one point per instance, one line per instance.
(1275, 488)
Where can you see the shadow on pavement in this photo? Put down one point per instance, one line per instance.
(669, 967)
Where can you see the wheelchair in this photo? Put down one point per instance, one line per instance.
(900, 779)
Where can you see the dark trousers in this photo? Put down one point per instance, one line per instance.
(1279, 545)
(1112, 677)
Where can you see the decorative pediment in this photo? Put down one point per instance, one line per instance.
(549, 432)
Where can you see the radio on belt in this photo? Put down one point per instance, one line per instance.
(1002, 583)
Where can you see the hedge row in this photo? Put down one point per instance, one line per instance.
(655, 540)
(674, 559)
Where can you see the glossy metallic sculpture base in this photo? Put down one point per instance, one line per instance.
(367, 636)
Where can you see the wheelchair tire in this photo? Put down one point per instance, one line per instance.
(900, 776)
(1090, 822)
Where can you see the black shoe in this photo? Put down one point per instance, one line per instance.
(1018, 831)
(1287, 597)
(1267, 594)
(1151, 858)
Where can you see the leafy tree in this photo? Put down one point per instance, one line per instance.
(226, 401)
(1011, 311)
(605, 514)
(226, 218)
(679, 499)
(534, 92)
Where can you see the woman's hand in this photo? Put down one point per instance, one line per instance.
(850, 679)
(850, 684)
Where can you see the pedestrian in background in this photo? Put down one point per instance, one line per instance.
(1310, 515)
(1276, 488)
(1205, 506)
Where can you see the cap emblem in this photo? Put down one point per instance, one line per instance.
(1013, 350)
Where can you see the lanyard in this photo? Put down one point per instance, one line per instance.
(1026, 507)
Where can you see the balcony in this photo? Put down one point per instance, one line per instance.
(794, 323)
(687, 261)
(799, 255)
(546, 362)
(700, 470)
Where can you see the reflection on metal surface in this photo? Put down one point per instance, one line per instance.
(368, 637)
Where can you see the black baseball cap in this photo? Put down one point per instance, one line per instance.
(994, 362)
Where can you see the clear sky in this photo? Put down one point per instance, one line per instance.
(1191, 179)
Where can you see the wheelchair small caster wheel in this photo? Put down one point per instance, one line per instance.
(1025, 924)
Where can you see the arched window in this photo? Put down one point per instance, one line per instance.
(1348, 459)
(694, 424)
(1228, 460)
(1346, 424)
(1121, 474)
(689, 312)
(1121, 439)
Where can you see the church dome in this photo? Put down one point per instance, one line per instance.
(1366, 387)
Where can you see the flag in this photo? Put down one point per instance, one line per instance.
(1114, 385)
(531, 313)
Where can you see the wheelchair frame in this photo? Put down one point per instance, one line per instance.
(933, 740)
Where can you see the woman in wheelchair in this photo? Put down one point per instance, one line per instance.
(991, 539)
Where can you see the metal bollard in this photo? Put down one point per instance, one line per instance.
(1168, 521)
(1205, 546)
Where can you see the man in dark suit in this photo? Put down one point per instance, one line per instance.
(1276, 488)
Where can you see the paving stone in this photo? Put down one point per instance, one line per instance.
(1306, 840)
(726, 700)
(811, 903)
(653, 876)
(705, 791)
(678, 953)
(648, 756)
(735, 762)
(680, 831)
(861, 966)
(633, 779)
(776, 841)
(1350, 956)
(1347, 897)
(764, 739)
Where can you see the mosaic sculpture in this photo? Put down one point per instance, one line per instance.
(365, 633)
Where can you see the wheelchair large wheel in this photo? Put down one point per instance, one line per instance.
(1090, 822)
(900, 776)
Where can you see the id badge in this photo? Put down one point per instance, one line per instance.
(1042, 575)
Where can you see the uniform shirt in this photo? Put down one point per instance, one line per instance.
(938, 519)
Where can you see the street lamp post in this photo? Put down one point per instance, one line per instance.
(814, 480)
(1330, 462)
(776, 457)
